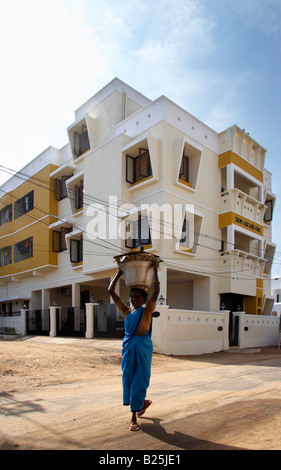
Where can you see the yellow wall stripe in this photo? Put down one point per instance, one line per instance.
(230, 157)
(229, 218)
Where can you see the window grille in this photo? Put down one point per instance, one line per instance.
(138, 232)
(6, 214)
(24, 205)
(60, 188)
(139, 167)
(79, 195)
(6, 256)
(59, 241)
(268, 215)
(23, 250)
(81, 142)
(184, 240)
(76, 250)
(184, 168)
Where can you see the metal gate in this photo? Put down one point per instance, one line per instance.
(107, 323)
(71, 321)
(38, 322)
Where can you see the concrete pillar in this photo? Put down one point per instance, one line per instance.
(46, 299)
(230, 238)
(23, 320)
(53, 321)
(260, 242)
(90, 323)
(229, 177)
(260, 193)
(75, 295)
(225, 330)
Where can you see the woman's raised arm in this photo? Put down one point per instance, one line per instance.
(118, 302)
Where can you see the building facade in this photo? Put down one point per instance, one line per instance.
(137, 172)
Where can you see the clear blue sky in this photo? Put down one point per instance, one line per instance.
(218, 59)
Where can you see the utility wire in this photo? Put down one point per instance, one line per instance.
(103, 202)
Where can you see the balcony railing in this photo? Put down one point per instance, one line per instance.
(242, 262)
(235, 200)
(238, 141)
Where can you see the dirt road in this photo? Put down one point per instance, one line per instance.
(66, 394)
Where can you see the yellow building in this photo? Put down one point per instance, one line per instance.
(140, 172)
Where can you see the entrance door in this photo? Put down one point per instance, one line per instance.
(234, 303)
(84, 298)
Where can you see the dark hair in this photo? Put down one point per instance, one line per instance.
(141, 291)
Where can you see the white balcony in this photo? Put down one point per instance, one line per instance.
(241, 143)
(237, 261)
(243, 204)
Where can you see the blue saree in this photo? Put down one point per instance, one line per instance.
(136, 362)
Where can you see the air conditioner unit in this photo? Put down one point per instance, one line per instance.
(64, 291)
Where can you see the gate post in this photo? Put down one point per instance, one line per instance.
(226, 330)
(53, 321)
(23, 321)
(90, 325)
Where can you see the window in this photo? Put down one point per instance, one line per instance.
(76, 250)
(184, 240)
(6, 214)
(75, 189)
(189, 159)
(223, 240)
(79, 195)
(190, 234)
(5, 256)
(138, 232)
(24, 205)
(81, 142)
(23, 250)
(139, 167)
(60, 188)
(184, 169)
(59, 242)
(268, 215)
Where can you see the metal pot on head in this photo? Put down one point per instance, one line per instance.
(137, 268)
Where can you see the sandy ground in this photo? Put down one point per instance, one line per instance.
(66, 394)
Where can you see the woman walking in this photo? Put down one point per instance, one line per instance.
(137, 346)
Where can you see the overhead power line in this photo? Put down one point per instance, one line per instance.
(47, 186)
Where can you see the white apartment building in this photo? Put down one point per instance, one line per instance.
(129, 169)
